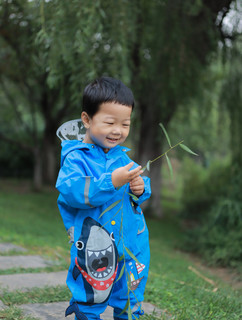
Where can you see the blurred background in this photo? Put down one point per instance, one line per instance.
(181, 58)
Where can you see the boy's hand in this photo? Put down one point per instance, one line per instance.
(122, 175)
(137, 186)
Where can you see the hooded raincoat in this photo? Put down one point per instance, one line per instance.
(107, 229)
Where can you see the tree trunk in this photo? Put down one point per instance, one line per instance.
(49, 159)
(37, 178)
(150, 146)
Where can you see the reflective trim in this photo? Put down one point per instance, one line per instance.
(86, 191)
(141, 231)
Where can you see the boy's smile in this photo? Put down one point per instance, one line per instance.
(109, 127)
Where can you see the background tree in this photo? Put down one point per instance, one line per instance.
(174, 43)
(50, 51)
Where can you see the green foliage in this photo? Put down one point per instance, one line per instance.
(231, 98)
(203, 123)
(218, 205)
(14, 162)
(147, 166)
(201, 187)
(220, 240)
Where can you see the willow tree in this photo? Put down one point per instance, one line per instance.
(174, 43)
(49, 52)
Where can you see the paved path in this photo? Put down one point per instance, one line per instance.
(53, 311)
(28, 281)
(6, 247)
(8, 262)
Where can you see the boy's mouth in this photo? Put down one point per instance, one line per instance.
(112, 140)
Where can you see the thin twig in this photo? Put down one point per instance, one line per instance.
(151, 161)
(202, 276)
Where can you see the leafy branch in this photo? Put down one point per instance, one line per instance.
(180, 144)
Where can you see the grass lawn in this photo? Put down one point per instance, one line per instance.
(177, 284)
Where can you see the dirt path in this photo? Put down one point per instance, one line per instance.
(226, 275)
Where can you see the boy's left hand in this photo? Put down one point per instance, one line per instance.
(137, 186)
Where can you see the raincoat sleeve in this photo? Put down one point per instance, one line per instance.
(81, 190)
(68, 215)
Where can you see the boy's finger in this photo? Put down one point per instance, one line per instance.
(133, 175)
(129, 165)
(137, 182)
(136, 187)
(136, 170)
(137, 190)
(137, 179)
(136, 173)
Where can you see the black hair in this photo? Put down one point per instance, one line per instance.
(105, 89)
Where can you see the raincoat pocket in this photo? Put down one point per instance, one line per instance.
(140, 216)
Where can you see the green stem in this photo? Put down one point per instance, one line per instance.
(162, 155)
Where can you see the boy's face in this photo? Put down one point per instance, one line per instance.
(109, 127)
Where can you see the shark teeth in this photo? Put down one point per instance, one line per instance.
(100, 252)
(102, 274)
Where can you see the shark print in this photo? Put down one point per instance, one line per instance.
(96, 261)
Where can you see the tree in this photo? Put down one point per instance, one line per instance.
(174, 43)
(50, 51)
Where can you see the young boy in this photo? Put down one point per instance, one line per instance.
(110, 251)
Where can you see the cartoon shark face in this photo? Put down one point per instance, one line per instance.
(100, 253)
(97, 257)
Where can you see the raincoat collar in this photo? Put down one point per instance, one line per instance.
(71, 145)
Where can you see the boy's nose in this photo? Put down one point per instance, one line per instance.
(116, 130)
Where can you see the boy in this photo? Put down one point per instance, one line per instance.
(104, 221)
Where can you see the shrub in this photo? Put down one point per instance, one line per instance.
(218, 236)
(219, 239)
(202, 187)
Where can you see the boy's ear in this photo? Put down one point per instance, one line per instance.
(85, 119)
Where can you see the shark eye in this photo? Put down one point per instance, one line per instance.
(112, 236)
(79, 245)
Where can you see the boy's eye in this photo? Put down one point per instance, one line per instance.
(126, 125)
(109, 122)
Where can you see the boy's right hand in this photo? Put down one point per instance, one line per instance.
(122, 175)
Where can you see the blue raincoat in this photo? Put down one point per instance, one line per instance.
(107, 228)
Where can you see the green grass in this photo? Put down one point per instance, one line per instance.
(32, 220)
(174, 287)
(36, 295)
(14, 313)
